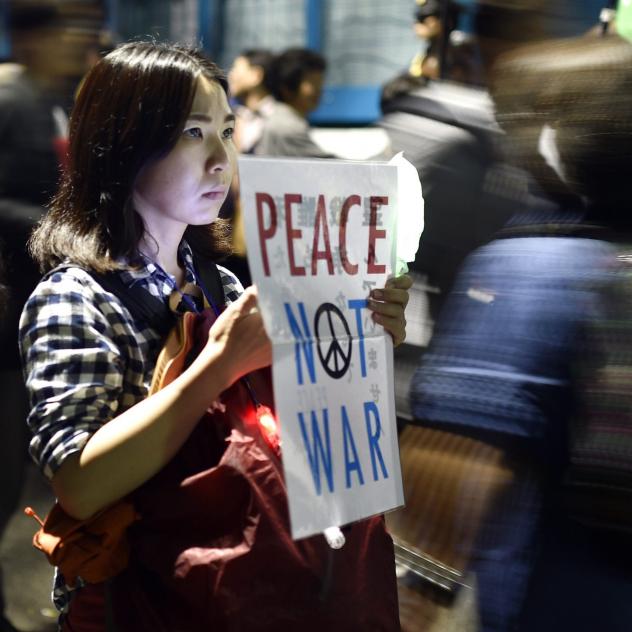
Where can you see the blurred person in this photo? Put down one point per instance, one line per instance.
(295, 79)
(11, 457)
(28, 157)
(294, 82)
(246, 80)
(31, 134)
(48, 40)
(435, 21)
(454, 141)
(442, 44)
(500, 367)
(29, 169)
(142, 211)
(449, 133)
(28, 160)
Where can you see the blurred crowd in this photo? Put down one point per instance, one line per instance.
(515, 445)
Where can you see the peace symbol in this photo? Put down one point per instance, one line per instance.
(334, 356)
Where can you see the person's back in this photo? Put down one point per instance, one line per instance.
(449, 134)
(500, 366)
(499, 359)
(286, 133)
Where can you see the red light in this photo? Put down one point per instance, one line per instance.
(268, 426)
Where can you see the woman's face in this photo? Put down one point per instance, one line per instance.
(189, 185)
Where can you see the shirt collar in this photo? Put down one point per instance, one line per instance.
(143, 271)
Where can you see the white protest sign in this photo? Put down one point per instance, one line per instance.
(320, 235)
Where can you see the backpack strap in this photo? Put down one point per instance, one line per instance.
(146, 307)
(209, 276)
(143, 306)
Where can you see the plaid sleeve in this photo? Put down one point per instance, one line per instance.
(73, 367)
(233, 289)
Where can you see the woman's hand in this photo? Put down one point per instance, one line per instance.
(242, 338)
(388, 306)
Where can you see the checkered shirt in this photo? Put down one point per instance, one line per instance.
(86, 360)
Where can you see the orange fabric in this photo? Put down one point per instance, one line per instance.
(95, 549)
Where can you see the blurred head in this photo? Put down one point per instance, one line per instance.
(248, 72)
(296, 77)
(52, 50)
(27, 17)
(429, 18)
(503, 25)
(582, 89)
(129, 115)
(31, 26)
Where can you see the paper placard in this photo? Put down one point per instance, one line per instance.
(320, 235)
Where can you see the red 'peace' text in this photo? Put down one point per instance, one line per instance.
(321, 245)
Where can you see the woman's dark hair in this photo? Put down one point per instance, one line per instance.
(287, 70)
(130, 108)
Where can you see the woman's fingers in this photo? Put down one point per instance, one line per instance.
(396, 291)
(403, 282)
(247, 302)
(392, 318)
(241, 336)
(388, 305)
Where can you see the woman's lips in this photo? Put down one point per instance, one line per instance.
(215, 194)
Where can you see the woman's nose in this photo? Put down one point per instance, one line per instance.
(218, 159)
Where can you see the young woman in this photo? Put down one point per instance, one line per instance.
(151, 159)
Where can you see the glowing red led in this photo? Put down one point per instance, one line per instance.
(268, 426)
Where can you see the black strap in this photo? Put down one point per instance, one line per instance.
(208, 274)
(143, 306)
(149, 309)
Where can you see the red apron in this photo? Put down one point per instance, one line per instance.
(213, 549)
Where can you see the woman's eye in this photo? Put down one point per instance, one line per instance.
(228, 132)
(193, 132)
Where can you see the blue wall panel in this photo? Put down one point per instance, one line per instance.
(348, 105)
